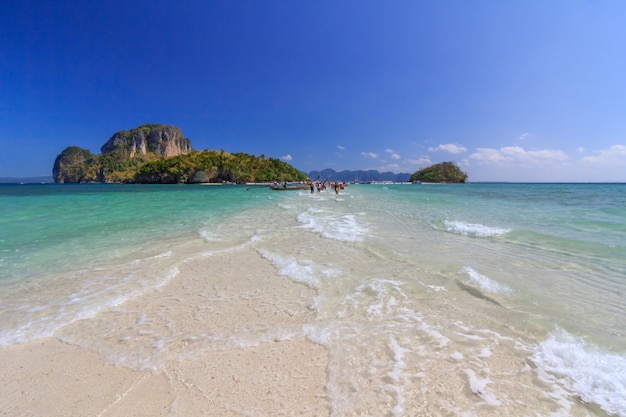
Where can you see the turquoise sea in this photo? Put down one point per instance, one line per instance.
(480, 299)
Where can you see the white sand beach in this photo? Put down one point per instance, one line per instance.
(271, 378)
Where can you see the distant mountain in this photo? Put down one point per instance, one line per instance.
(358, 176)
(28, 180)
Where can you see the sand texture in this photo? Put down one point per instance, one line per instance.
(266, 375)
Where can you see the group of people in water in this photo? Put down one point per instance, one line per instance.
(323, 185)
(319, 185)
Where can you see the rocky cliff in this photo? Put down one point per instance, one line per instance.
(165, 141)
(121, 155)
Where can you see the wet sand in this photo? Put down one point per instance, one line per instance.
(270, 376)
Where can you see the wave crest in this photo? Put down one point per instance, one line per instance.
(473, 229)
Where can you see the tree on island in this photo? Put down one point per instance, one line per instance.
(445, 172)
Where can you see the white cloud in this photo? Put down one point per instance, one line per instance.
(392, 154)
(615, 155)
(524, 136)
(514, 163)
(286, 157)
(580, 149)
(341, 148)
(369, 155)
(517, 155)
(449, 147)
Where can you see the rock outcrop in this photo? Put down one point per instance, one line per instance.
(121, 155)
(69, 165)
(165, 141)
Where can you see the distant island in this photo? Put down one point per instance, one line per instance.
(160, 154)
(445, 172)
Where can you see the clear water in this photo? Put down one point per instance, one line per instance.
(433, 299)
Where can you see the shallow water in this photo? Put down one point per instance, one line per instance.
(431, 299)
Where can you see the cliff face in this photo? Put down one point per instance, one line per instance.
(165, 141)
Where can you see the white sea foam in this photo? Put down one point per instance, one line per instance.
(318, 333)
(476, 230)
(485, 353)
(209, 237)
(330, 225)
(478, 387)
(398, 375)
(584, 370)
(457, 355)
(234, 248)
(435, 288)
(485, 283)
(99, 289)
(434, 333)
(297, 270)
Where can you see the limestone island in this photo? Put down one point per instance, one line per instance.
(160, 154)
(443, 173)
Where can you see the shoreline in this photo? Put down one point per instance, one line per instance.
(277, 376)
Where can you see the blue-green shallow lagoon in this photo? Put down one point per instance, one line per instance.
(515, 289)
(62, 226)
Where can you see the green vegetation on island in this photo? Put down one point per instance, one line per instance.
(159, 154)
(216, 166)
(445, 172)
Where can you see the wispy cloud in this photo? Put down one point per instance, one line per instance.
(286, 157)
(369, 155)
(341, 148)
(449, 147)
(615, 155)
(524, 136)
(518, 155)
(515, 163)
(393, 154)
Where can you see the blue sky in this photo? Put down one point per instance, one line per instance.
(509, 90)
